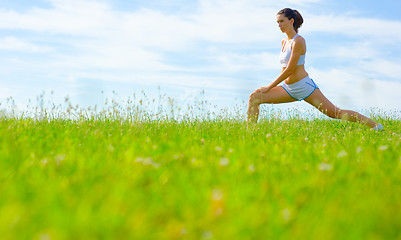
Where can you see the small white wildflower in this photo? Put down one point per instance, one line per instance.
(224, 161)
(207, 235)
(218, 149)
(383, 148)
(44, 237)
(148, 161)
(358, 149)
(325, 166)
(217, 195)
(59, 158)
(251, 168)
(156, 165)
(286, 214)
(44, 161)
(183, 231)
(268, 135)
(342, 154)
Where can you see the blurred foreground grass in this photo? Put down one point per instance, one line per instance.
(198, 179)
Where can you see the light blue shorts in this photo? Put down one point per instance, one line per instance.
(301, 89)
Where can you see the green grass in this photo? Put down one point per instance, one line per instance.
(199, 179)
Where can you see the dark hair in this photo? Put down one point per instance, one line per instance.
(293, 14)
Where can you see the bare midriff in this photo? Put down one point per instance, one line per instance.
(298, 74)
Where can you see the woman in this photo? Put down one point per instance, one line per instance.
(297, 84)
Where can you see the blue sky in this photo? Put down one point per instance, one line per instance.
(87, 49)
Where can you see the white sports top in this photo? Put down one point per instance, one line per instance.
(286, 54)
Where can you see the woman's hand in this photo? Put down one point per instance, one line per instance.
(265, 89)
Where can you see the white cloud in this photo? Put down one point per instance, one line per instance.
(74, 17)
(236, 21)
(233, 62)
(385, 69)
(357, 50)
(218, 21)
(369, 59)
(350, 88)
(366, 28)
(138, 39)
(17, 44)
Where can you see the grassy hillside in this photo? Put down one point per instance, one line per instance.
(199, 179)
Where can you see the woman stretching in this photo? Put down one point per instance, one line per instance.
(297, 83)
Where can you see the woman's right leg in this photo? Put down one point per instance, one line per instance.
(275, 95)
(318, 100)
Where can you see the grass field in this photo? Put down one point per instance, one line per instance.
(110, 178)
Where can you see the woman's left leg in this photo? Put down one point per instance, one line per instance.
(275, 95)
(318, 100)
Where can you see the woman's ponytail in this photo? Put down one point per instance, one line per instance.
(298, 20)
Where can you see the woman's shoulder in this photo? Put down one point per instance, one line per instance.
(299, 39)
(300, 44)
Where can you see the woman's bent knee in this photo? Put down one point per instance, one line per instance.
(255, 98)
